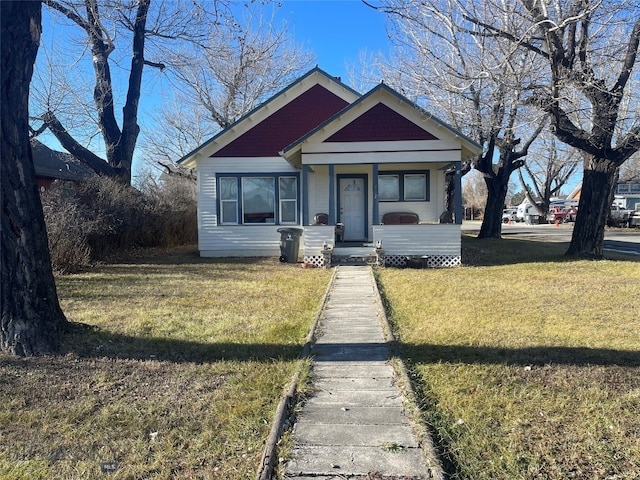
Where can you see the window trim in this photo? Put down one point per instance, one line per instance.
(401, 180)
(239, 201)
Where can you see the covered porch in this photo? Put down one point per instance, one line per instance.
(352, 212)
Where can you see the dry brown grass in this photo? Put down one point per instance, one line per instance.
(174, 370)
(527, 364)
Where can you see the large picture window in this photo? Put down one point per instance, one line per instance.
(403, 186)
(258, 199)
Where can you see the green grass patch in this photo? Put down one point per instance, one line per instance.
(173, 369)
(526, 363)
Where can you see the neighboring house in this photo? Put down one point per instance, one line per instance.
(51, 165)
(627, 195)
(318, 150)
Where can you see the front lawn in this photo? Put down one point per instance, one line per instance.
(527, 367)
(173, 370)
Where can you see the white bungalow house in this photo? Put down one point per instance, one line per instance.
(351, 171)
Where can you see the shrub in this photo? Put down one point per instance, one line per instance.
(97, 219)
(68, 226)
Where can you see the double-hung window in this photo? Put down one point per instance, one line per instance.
(258, 199)
(403, 186)
(228, 194)
(288, 190)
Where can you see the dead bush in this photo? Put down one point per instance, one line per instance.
(68, 227)
(95, 220)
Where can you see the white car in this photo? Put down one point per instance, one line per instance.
(509, 215)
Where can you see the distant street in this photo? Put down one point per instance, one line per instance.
(618, 240)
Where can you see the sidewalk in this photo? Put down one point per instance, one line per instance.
(354, 426)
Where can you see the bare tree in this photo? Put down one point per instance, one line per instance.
(548, 167)
(115, 33)
(479, 83)
(31, 316)
(239, 65)
(630, 171)
(590, 49)
(474, 192)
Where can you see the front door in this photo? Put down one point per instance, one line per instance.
(352, 201)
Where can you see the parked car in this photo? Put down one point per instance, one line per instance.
(557, 215)
(572, 213)
(509, 215)
(619, 216)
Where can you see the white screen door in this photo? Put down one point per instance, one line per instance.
(352, 208)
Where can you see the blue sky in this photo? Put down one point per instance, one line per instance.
(336, 31)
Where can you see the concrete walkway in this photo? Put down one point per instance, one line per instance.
(355, 425)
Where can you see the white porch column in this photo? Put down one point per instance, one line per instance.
(376, 213)
(332, 197)
(305, 195)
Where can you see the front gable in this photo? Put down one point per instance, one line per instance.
(285, 125)
(279, 121)
(379, 124)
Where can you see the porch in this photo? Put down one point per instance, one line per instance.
(430, 245)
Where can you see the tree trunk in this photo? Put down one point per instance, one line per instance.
(497, 187)
(31, 315)
(595, 200)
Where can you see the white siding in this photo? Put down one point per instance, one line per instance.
(318, 184)
(240, 240)
(418, 240)
(315, 236)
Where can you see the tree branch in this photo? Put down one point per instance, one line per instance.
(87, 157)
(70, 14)
(629, 59)
(496, 32)
(161, 66)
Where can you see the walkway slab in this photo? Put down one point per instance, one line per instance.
(354, 425)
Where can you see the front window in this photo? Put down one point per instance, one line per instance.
(403, 187)
(415, 187)
(389, 188)
(229, 200)
(288, 199)
(259, 199)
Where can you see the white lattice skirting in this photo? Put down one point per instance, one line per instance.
(315, 260)
(428, 261)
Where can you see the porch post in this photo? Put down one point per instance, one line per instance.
(332, 194)
(458, 193)
(305, 196)
(376, 214)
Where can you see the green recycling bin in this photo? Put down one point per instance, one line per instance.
(289, 244)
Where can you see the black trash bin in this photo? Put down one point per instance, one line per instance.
(289, 244)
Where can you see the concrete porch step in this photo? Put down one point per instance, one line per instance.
(353, 259)
(361, 255)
